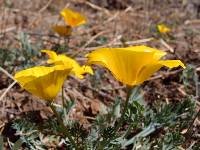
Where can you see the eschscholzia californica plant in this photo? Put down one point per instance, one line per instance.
(72, 19)
(131, 65)
(62, 30)
(77, 70)
(162, 28)
(44, 82)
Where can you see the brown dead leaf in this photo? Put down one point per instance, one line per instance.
(95, 106)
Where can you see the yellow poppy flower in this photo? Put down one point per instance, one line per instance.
(77, 70)
(73, 18)
(62, 30)
(163, 28)
(131, 65)
(44, 82)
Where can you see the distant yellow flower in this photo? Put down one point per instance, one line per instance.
(44, 82)
(162, 28)
(77, 70)
(62, 30)
(131, 65)
(72, 18)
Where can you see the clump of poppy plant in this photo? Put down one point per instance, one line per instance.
(72, 19)
(162, 28)
(130, 65)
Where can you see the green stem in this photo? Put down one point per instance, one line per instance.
(64, 128)
(121, 120)
(124, 109)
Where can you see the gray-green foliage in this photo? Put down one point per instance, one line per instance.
(24, 56)
(156, 127)
(189, 76)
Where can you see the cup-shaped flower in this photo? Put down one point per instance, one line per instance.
(131, 65)
(44, 82)
(62, 30)
(73, 18)
(162, 28)
(77, 70)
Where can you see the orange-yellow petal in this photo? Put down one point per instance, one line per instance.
(172, 63)
(27, 75)
(73, 18)
(44, 82)
(87, 69)
(147, 71)
(62, 30)
(77, 70)
(131, 65)
(124, 63)
(150, 69)
(52, 55)
(163, 28)
(157, 53)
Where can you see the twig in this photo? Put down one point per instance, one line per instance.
(167, 45)
(191, 22)
(89, 42)
(45, 7)
(2, 127)
(15, 10)
(93, 38)
(3, 24)
(164, 75)
(41, 34)
(188, 133)
(128, 9)
(120, 43)
(41, 10)
(8, 74)
(7, 30)
(112, 18)
(198, 69)
(135, 42)
(113, 88)
(77, 93)
(7, 90)
(100, 93)
(10, 86)
(97, 7)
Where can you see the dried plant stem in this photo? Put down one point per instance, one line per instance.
(7, 90)
(64, 128)
(8, 74)
(88, 43)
